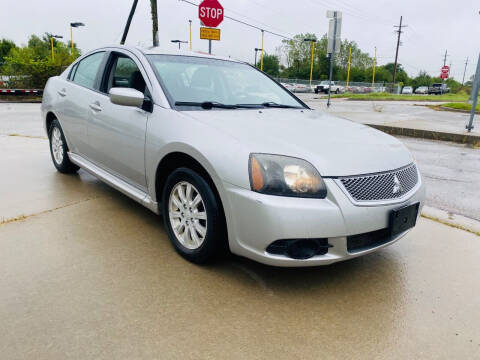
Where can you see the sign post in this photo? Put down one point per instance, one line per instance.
(334, 30)
(474, 95)
(210, 13)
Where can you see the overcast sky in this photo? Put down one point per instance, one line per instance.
(433, 26)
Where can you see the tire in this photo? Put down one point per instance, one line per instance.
(337, 91)
(59, 149)
(196, 239)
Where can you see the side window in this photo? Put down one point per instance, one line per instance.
(125, 73)
(72, 72)
(87, 70)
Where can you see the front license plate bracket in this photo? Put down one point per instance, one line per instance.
(403, 219)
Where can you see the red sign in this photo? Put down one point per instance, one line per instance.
(445, 72)
(210, 13)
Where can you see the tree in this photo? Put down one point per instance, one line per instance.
(30, 66)
(5, 47)
(271, 65)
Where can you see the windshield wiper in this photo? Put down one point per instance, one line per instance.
(275, 105)
(206, 104)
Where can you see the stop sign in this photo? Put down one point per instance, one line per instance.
(210, 13)
(445, 72)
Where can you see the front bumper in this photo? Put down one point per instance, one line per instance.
(256, 220)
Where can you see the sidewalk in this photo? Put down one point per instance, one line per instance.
(403, 118)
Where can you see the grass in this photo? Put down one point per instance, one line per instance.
(461, 106)
(462, 97)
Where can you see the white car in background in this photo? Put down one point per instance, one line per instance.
(421, 90)
(300, 88)
(287, 86)
(407, 90)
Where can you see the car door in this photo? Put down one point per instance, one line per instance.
(116, 133)
(75, 94)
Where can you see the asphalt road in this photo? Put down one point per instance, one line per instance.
(88, 273)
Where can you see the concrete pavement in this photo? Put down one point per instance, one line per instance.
(402, 117)
(86, 273)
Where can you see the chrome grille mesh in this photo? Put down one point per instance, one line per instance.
(382, 186)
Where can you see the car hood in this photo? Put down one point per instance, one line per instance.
(335, 146)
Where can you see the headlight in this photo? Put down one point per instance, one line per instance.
(285, 176)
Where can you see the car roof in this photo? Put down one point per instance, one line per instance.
(161, 51)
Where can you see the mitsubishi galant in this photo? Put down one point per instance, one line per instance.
(231, 159)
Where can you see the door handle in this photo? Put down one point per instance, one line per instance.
(62, 92)
(95, 106)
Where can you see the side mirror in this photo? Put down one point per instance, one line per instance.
(126, 96)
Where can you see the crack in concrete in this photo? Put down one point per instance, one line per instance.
(28, 136)
(22, 217)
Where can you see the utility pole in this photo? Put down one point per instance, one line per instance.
(399, 31)
(445, 58)
(153, 5)
(129, 20)
(464, 71)
(374, 65)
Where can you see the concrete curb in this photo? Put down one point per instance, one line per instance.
(456, 221)
(429, 134)
(444, 108)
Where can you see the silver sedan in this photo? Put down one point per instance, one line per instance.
(233, 160)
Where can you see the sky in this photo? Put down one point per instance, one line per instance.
(433, 26)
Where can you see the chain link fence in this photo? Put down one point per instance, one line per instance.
(27, 76)
(302, 85)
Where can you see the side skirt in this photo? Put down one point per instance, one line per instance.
(119, 184)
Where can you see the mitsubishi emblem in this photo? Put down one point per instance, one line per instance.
(397, 187)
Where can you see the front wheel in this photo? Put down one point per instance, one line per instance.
(193, 217)
(337, 91)
(59, 150)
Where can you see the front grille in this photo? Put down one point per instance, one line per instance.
(365, 241)
(381, 186)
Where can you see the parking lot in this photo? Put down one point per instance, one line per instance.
(86, 272)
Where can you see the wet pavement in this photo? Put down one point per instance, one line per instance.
(402, 114)
(86, 272)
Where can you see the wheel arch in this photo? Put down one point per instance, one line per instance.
(176, 159)
(49, 117)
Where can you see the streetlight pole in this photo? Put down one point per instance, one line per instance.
(179, 42)
(73, 25)
(51, 43)
(313, 41)
(190, 21)
(256, 50)
(261, 54)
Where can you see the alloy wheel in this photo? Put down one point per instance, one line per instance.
(187, 215)
(57, 145)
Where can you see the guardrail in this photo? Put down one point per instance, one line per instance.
(20, 92)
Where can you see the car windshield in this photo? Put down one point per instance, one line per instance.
(437, 85)
(197, 83)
